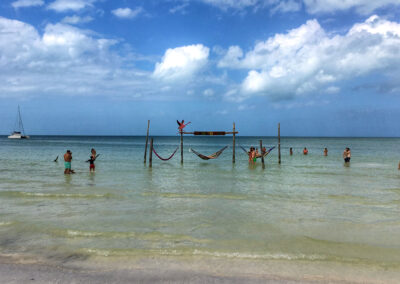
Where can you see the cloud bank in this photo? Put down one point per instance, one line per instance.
(64, 60)
(309, 60)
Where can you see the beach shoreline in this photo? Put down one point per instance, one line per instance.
(23, 269)
(13, 271)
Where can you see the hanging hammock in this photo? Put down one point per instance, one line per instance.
(212, 156)
(244, 150)
(259, 155)
(266, 153)
(165, 159)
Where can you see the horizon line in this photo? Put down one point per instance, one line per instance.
(177, 135)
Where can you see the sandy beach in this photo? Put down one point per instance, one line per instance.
(13, 272)
(181, 270)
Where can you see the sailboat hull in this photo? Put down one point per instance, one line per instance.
(13, 136)
(18, 135)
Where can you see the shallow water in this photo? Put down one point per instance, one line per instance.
(309, 208)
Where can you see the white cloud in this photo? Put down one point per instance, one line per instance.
(222, 112)
(332, 90)
(232, 4)
(76, 20)
(283, 6)
(64, 60)
(312, 6)
(245, 107)
(286, 6)
(179, 9)
(181, 62)
(360, 6)
(307, 59)
(208, 93)
(70, 5)
(26, 3)
(127, 13)
(232, 57)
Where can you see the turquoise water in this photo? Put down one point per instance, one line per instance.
(309, 208)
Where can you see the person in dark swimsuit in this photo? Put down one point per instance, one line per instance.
(347, 155)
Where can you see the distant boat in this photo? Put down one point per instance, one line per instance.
(20, 133)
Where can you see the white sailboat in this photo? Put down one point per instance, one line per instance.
(20, 134)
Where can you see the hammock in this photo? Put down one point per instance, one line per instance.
(212, 156)
(165, 159)
(244, 149)
(259, 155)
(266, 153)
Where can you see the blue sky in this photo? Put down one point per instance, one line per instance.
(102, 67)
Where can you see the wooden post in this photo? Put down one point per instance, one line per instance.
(262, 155)
(181, 147)
(279, 143)
(151, 153)
(234, 144)
(147, 140)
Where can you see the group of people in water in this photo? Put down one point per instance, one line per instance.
(346, 153)
(254, 154)
(68, 160)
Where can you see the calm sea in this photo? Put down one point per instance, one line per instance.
(309, 208)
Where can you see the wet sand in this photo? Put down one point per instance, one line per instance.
(165, 270)
(41, 273)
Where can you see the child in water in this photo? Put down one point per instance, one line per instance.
(91, 160)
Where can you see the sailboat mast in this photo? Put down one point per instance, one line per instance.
(21, 125)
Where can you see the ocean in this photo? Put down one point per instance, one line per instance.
(308, 209)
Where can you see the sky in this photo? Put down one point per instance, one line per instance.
(102, 67)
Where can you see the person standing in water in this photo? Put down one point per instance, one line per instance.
(305, 151)
(347, 155)
(91, 160)
(67, 162)
(291, 151)
(326, 152)
(252, 155)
